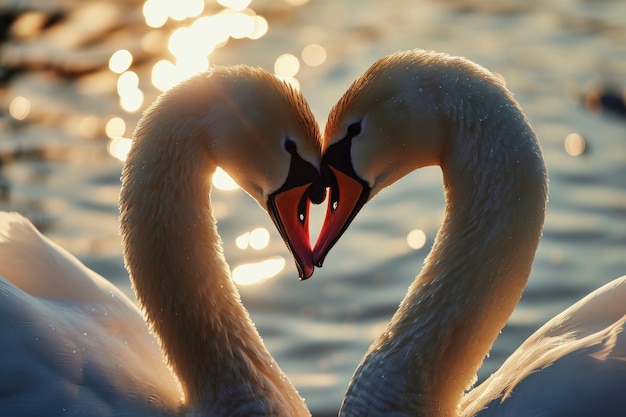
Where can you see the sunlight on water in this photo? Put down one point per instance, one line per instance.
(120, 61)
(119, 148)
(235, 4)
(313, 55)
(574, 144)
(257, 272)
(286, 65)
(257, 239)
(115, 127)
(416, 239)
(222, 181)
(19, 108)
(156, 12)
(131, 97)
(192, 44)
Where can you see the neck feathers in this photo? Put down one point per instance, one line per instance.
(496, 191)
(175, 259)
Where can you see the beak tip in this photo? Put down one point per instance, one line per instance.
(305, 269)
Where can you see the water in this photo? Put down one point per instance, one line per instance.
(56, 170)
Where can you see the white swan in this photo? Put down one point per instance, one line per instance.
(420, 108)
(71, 344)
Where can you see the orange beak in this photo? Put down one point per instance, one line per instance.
(348, 194)
(289, 209)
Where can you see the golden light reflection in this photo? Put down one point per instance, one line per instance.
(313, 55)
(164, 75)
(243, 241)
(222, 181)
(260, 27)
(416, 239)
(131, 97)
(127, 81)
(156, 12)
(132, 100)
(235, 4)
(19, 108)
(120, 61)
(257, 239)
(286, 65)
(574, 144)
(115, 127)
(119, 147)
(257, 272)
(242, 24)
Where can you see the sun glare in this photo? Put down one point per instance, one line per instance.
(120, 61)
(222, 181)
(257, 272)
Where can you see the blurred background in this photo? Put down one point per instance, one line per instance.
(75, 76)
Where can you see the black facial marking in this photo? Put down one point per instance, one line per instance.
(302, 172)
(338, 155)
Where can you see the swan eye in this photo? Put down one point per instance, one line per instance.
(290, 146)
(354, 129)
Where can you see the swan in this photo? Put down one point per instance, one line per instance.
(418, 108)
(73, 345)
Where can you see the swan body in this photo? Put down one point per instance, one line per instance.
(419, 108)
(73, 345)
(69, 339)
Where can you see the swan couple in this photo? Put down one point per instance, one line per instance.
(73, 345)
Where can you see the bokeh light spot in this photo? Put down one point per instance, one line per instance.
(115, 127)
(19, 108)
(243, 241)
(259, 238)
(237, 5)
(286, 65)
(574, 144)
(131, 100)
(120, 61)
(416, 239)
(119, 147)
(222, 181)
(257, 272)
(260, 27)
(314, 55)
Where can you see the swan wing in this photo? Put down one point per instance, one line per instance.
(71, 343)
(574, 365)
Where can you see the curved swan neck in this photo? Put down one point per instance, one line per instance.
(174, 256)
(496, 191)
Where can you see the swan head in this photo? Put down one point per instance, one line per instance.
(259, 130)
(393, 119)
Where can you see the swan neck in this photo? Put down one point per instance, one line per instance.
(495, 189)
(182, 281)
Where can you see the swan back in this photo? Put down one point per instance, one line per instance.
(580, 353)
(78, 344)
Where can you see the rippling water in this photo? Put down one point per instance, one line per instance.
(55, 167)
